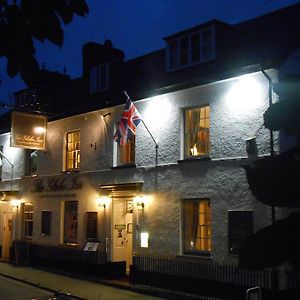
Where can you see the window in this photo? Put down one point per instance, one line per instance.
(28, 220)
(73, 150)
(1, 161)
(70, 222)
(98, 78)
(196, 226)
(196, 131)
(197, 47)
(46, 222)
(31, 162)
(126, 153)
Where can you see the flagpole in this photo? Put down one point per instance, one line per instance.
(156, 144)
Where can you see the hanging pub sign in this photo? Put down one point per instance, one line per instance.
(28, 131)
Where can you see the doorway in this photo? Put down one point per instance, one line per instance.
(122, 230)
(7, 234)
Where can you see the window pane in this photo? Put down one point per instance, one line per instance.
(173, 54)
(207, 45)
(46, 223)
(197, 225)
(70, 222)
(28, 220)
(195, 47)
(126, 153)
(184, 51)
(196, 131)
(73, 150)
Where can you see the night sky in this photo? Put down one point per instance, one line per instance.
(135, 26)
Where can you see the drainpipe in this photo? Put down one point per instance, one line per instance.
(275, 274)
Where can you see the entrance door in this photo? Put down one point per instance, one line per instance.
(122, 231)
(7, 234)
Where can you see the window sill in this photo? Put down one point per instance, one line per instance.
(196, 158)
(205, 256)
(124, 166)
(71, 171)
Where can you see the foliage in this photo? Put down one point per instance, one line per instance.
(25, 20)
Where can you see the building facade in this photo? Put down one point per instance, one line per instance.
(178, 188)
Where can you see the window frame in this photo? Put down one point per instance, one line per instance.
(207, 228)
(66, 225)
(185, 147)
(75, 162)
(174, 50)
(46, 216)
(99, 78)
(28, 220)
(121, 157)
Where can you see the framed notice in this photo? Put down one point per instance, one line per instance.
(46, 222)
(240, 225)
(91, 225)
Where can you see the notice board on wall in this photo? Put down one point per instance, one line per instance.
(91, 225)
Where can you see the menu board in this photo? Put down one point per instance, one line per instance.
(91, 225)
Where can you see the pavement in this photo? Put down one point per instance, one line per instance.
(82, 288)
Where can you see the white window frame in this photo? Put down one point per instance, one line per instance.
(96, 78)
(183, 134)
(202, 57)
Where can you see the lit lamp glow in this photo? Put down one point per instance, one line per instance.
(39, 130)
(102, 201)
(139, 201)
(15, 202)
(144, 239)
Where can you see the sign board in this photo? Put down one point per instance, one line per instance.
(28, 131)
(120, 226)
(91, 246)
(91, 225)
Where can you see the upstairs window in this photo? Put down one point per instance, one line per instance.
(73, 150)
(194, 48)
(196, 131)
(196, 226)
(126, 153)
(31, 163)
(98, 78)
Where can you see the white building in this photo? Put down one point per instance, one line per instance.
(187, 198)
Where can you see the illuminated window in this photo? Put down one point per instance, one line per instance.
(70, 222)
(126, 153)
(28, 220)
(196, 226)
(197, 47)
(73, 150)
(98, 78)
(196, 131)
(1, 161)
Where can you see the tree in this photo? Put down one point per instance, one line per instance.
(274, 181)
(22, 21)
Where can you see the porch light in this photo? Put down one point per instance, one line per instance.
(15, 203)
(102, 201)
(139, 201)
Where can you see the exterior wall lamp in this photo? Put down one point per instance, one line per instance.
(105, 115)
(15, 203)
(102, 201)
(140, 202)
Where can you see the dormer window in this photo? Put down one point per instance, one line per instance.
(98, 78)
(193, 48)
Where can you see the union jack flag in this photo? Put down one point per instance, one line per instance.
(127, 126)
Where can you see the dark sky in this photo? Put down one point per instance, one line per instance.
(137, 27)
